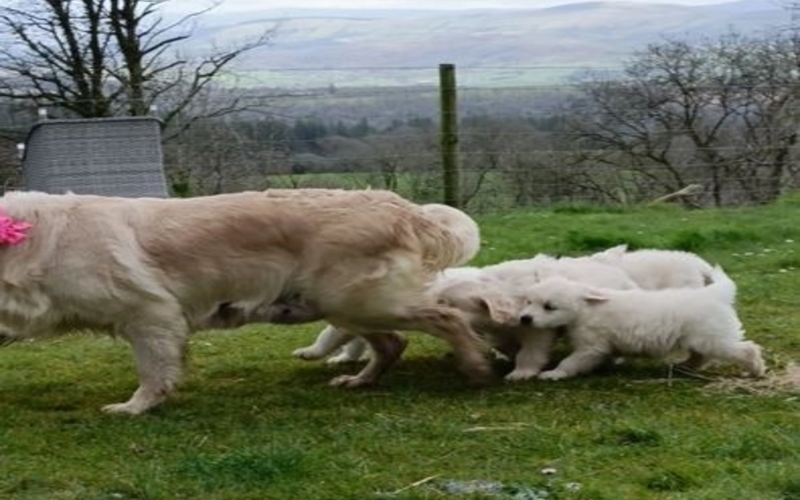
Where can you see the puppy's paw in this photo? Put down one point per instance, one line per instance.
(307, 353)
(350, 381)
(122, 409)
(554, 375)
(341, 359)
(521, 374)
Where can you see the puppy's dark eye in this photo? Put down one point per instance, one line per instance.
(548, 306)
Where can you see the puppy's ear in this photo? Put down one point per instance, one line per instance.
(593, 297)
(499, 310)
(613, 252)
(619, 249)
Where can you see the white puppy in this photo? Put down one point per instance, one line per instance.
(489, 297)
(658, 323)
(526, 272)
(535, 344)
(654, 269)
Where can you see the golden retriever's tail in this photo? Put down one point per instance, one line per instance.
(461, 238)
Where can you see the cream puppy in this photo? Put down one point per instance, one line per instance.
(655, 269)
(526, 272)
(534, 343)
(700, 322)
(490, 299)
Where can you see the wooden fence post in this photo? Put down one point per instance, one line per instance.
(449, 135)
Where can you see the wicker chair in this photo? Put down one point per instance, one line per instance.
(103, 156)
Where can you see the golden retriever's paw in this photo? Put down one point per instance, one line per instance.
(480, 374)
(521, 374)
(350, 381)
(307, 354)
(554, 375)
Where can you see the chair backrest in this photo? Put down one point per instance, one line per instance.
(103, 156)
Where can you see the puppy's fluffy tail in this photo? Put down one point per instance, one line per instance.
(462, 235)
(706, 271)
(722, 286)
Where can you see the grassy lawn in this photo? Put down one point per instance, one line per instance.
(251, 422)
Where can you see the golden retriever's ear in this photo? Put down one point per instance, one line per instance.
(499, 310)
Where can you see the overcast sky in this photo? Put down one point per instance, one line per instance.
(244, 5)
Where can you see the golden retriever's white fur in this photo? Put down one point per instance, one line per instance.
(700, 322)
(153, 270)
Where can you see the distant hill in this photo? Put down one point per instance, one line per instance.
(490, 47)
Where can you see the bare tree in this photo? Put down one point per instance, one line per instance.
(715, 113)
(398, 155)
(99, 58)
(222, 155)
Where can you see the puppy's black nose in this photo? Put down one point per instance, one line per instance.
(526, 319)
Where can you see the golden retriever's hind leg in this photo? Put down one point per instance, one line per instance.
(159, 351)
(468, 348)
(387, 347)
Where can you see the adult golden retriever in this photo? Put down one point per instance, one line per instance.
(153, 270)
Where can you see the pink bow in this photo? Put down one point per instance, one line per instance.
(12, 232)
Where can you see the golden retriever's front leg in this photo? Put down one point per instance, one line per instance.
(159, 348)
(450, 325)
(386, 350)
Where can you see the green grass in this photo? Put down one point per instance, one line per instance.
(251, 422)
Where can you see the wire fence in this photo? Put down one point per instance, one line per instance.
(526, 137)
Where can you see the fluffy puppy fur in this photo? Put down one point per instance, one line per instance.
(350, 345)
(700, 322)
(526, 272)
(654, 269)
(489, 298)
(531, 345)
(153, 270)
